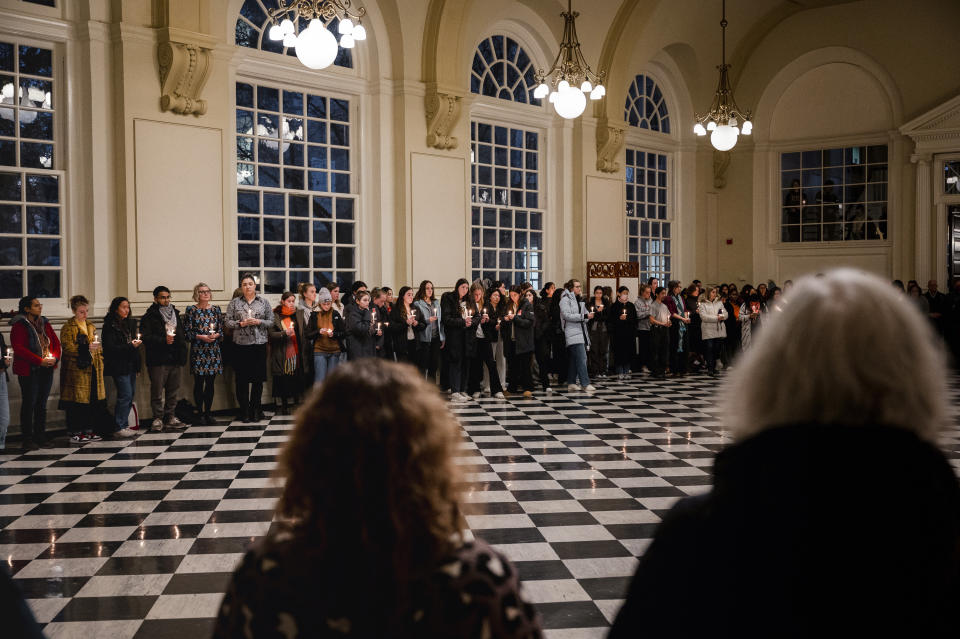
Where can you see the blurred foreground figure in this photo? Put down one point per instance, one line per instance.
(833, 514)
(370, 546)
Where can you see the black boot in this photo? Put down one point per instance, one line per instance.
(208, 419)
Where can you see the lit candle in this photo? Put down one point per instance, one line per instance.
(212, 327)
(96, 339)
(138, 337)
(378, 327)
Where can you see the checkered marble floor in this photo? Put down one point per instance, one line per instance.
(138, 538)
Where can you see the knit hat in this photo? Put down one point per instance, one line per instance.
(324, 296)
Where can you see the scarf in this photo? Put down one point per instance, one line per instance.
(291, 350)
(302, 304)
(681, 308)
(38, 328)
(169, 315)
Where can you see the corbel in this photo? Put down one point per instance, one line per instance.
(609, 145)
(184, 66)
(442, 111)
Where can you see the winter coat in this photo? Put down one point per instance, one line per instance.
(523, 330)
(430, 329)
(397, 331)
(120, 357)
(303, 318)
(490, 331)
(713, 317)
(623, 332)
(453, 325)
(153, 331)
(541, 329)
(313, 330)
(278, 347)
(360, 339)
(799, 532)
(573, 315)
(27, 354)
(75, 381)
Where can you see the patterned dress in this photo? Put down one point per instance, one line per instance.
(205, 358)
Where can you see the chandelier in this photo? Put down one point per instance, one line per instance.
(316, 46)
(724, 114)
(570, 78)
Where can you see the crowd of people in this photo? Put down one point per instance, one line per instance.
(477, 338)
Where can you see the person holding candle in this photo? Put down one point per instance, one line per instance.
(326, 331)
(750, 312)
(203, 324)
(361, 328)
(521, 345)
(406, 322)
(543, 335)
(597, 328)
(286, 354)
(6, 358)
(483, 369)
(713, 329)
(250, 318)
(306, 306)
(431, 338)
(660, 323)
(121, 361)
(575, 315)
(166, 352)
(82, 394)
(36, 353)
(678, 328)
(642, 309)
(472, 337)
(621, 327)
(453, 307)
(381, 322)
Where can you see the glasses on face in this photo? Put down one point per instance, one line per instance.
(204, 291)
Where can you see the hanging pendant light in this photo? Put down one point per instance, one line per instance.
(570, 79)
(724, 117)
(317, 46)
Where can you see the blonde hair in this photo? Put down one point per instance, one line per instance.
(845, 349)
(196, 289)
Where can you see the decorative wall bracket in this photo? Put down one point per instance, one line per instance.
(184, 68)
(609, 145)
(721, 162)
(442, 111)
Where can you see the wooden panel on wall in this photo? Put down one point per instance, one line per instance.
(796, 264)
(179, 196)
(439, 230)
(605, 219)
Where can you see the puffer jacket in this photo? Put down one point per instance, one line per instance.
(573, 315)
(712, 318)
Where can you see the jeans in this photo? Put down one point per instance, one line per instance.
(4, 410)
(323, 365)
(164, 384)
(34, 391)
(577, 367)
(126, 389)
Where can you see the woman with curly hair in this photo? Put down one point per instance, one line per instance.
(371, 545)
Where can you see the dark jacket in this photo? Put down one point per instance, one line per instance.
(360, 339)
(855, 529)
(453, 325)
(490, 332)
(153, 332)
(397, 331)
(470, 333)
(623, 333)
(522, 331)
(313, 331)
(303, 318)
(278, 346)
(541, 329)
(120, 357)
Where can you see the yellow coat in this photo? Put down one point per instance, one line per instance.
(74, 381)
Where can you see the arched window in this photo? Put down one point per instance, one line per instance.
(646, 107)
(502, 69)
(252, 27)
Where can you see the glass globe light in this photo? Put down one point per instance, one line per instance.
(316, 46)
(586, 87)
(286, 26)
(346, 26)
(359, 33)
(711, 125)
(570, 103)
(563, 86)
(724, 137)
(290, 40)
(699, 130)
(553, 97)
(275, 33)
(346, 41)
(747, 127)
(541, 91)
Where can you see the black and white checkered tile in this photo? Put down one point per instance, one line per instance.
(138, 538)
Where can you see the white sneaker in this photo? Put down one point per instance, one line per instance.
(156, 425)
(573, 388)
(549, 390)
(500, 395)
(476, 395)
(459, 398)
(589, 388)
(126, 432)
(175, 424)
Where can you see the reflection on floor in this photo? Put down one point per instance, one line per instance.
(138, 538)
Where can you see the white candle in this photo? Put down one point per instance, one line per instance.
(95, 338)
(378, 327)
(138, 337)
(212, 327)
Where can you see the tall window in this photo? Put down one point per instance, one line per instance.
(832, 195)
(30, 185)
(296, 205)
(252, 27)
(646, 107)
(506, 219)
(647, 176)
(648, 231)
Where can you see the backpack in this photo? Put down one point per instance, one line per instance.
(184, 412)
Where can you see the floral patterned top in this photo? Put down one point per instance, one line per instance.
(281, 589)
(205, 357)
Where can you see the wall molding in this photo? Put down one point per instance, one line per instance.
(442, 111)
